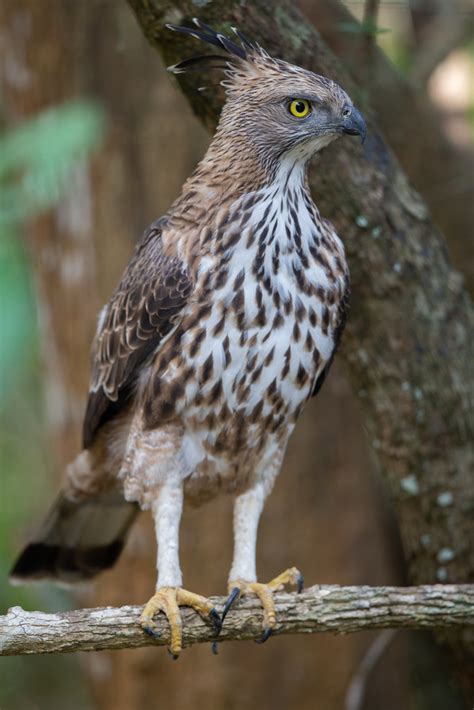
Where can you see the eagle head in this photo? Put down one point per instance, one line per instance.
(279, 108)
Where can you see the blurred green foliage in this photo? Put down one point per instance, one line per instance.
(36, 160)
(366, 27)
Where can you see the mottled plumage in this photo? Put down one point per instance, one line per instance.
(224, 324)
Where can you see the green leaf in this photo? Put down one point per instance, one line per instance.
(368, 27)
(37, 158)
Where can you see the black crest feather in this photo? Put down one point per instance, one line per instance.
(207, 34)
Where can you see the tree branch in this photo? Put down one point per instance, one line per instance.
(438, 31)
(371, 10)
(318, 609)
(442, 38)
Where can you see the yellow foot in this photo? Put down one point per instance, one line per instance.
(168, 600)
(265, 593)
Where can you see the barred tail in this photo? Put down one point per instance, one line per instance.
(77, 540)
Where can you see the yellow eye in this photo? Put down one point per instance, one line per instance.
(299, 108)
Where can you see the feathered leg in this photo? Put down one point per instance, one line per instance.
(169, 595)
(243, 575)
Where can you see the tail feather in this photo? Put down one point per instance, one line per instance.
(77, 540)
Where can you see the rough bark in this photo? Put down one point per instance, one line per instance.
(408, 346)
(318, 609)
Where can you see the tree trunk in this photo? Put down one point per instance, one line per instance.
(442, 172)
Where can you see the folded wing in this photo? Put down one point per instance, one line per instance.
(144, 309)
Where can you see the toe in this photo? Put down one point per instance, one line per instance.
(289, 576)
(176, 630)
(164, 601)
(148, 629)
(146, 619)
(265, 594)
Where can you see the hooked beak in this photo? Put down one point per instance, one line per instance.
(353, 124)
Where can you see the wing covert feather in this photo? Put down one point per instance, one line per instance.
(145, 307)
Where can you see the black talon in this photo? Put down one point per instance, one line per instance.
(219, 620)
(231, 599)
(266, 635)
(216, 620)
(151, 632)
(173, 655)
(300, 583)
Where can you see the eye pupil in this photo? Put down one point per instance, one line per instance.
(299, 108)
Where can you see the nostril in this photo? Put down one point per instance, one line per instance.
(346, 112)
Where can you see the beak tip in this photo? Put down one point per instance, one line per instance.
(354, 125)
